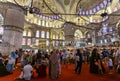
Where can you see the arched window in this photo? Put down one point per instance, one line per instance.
(24, 33)
(83, 13)
(53, 36)
(43, 23)
(37, 33)
(23, 41)
(1, 27)
(91, 12)
(29, 33)
(47, 35)
(42, 34)
(1, 30)
(57, 36)
(100, 33)
(88, 35)
(98, 7)
(37, 41)
(87, 12)
(46, 24)
(115, 9)
(101, 5)
(39, 22)
(94, 10)
(105, 2)
(47, 43)
(28, 41)
(105, 28)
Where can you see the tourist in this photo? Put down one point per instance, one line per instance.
(53, 65)
(79, 61)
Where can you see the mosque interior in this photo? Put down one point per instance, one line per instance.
(48, 24)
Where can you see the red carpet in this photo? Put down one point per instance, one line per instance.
(69, 75)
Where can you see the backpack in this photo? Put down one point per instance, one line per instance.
(105, 53)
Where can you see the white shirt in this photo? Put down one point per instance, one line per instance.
(27, 70)
(117, 53)
(110, 62)
(64, 55)
(11, 60)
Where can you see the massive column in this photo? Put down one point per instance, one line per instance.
(13, 27)
(69, 30)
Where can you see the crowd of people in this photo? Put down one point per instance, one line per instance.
(34, 65)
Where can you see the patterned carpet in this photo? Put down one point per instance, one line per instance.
(69, 75)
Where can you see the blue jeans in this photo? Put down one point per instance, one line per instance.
(28, 78)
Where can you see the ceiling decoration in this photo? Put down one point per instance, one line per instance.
(80, 12)
(86, 5)
(66, 2)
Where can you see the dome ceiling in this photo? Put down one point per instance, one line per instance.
(76, 11)
(89, 4)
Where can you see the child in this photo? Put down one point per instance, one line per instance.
(110, 64)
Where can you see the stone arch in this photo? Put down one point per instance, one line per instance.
(88, 33)
(78, 34)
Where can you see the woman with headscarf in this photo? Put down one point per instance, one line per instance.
(11, 62)
(3, 70)
(79, 61)
(95, 62)
(53, 66)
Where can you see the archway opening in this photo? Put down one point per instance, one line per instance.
(78, 39)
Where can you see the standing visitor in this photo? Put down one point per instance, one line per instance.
(95, 62)
(79, 61)
(53, 65)
(11, 62)
(3, 70)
